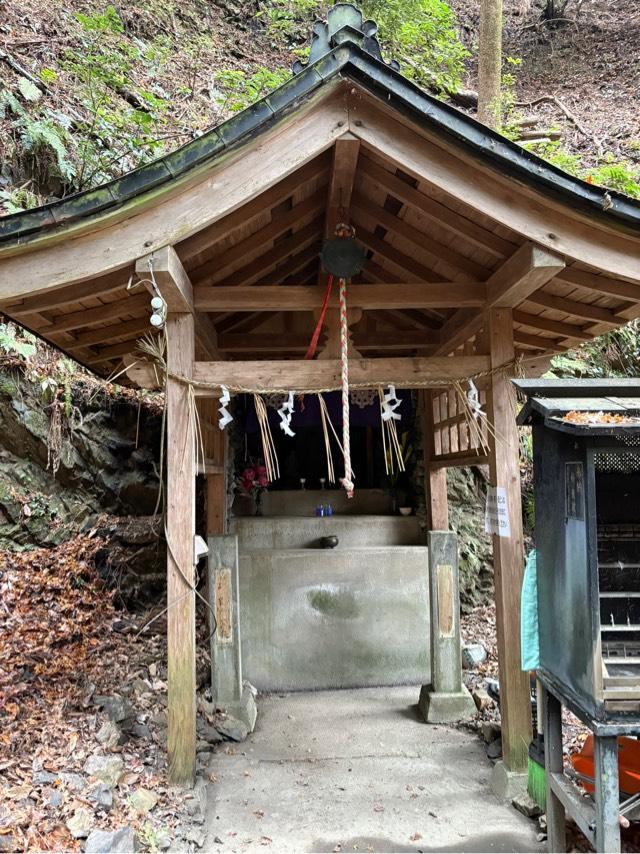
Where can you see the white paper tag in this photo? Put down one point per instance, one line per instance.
(496, 514)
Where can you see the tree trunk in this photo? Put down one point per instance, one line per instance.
(490, 63)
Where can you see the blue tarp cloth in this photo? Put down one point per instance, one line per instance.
(529, 635)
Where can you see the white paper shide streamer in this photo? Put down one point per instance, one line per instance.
(225, 415)
(473, 399)
(390, 403)
(286, 413)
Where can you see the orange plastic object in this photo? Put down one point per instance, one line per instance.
(628, 764)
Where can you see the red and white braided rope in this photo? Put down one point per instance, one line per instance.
(347, 480)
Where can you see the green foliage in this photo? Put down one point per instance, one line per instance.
(17, 200)
(615, 354)
(48, 75)
(16, 344)
(42, 137)
(285, 17)
(421, 34)
(617, 175)
(125, 120)
(238, 90)
(28, 90)
(101, 22)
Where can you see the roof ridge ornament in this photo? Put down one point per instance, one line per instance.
(344, 24)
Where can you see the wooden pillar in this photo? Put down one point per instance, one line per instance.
(435, 479)
(508, 553)
(181, 613)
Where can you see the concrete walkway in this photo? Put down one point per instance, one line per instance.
(357, 771)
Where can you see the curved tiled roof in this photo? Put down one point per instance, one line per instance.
(344, 46)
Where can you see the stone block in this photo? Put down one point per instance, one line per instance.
(506, 784)
(440, 708)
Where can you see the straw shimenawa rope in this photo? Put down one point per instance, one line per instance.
(347, 480)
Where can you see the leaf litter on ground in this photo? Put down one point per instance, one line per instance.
(63, 647)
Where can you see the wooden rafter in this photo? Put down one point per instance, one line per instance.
(538, 342)
(280, 224)
(601, 284)
(114, 351)
(260, 266)
(249, 322)
(436, 251)
(111, 333)
(567, 330)
(583, 310)
(202, 245)
(133, 304)
(459, 226)
(470, 180)
(62, 297)
(297, 263)
(394, 256)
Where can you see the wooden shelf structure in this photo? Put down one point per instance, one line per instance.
(477, 253)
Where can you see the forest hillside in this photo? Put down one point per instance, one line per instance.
(90, 89)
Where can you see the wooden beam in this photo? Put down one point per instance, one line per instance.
(458, 459)
(114, 351)
(180, 530)
(61, 297)
(307, 375)
(343, 172)
(110, 333)
(176, 289)
(396, 295)
(129, 304)
(583, 310)
(567, 330)
(270, 342)
(170, 276)
(508, 552)
(529, 268)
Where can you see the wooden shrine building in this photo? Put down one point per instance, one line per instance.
(479, 257)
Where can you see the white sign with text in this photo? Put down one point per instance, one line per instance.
(496, 514)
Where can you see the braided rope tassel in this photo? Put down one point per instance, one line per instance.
(347, 480)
